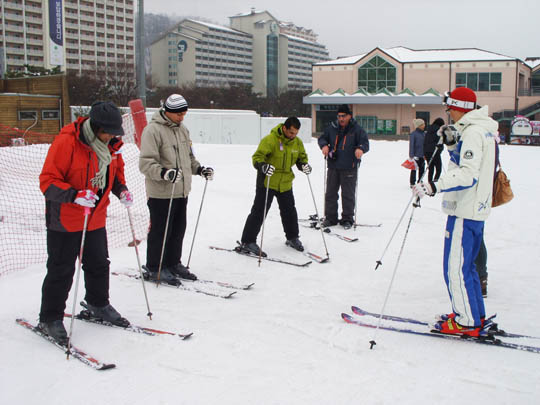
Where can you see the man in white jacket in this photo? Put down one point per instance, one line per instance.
(467, 188)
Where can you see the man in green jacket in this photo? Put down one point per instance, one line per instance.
(273, 159)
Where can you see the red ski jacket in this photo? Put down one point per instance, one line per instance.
(69, 167)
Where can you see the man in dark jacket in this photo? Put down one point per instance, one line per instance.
(431, 143)
(343, 144)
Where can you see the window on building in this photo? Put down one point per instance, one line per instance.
(272, 64)
(377, 74)
(50, 114)
(479, 81)
(27, 115)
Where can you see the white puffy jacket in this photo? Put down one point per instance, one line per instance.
(468, 183)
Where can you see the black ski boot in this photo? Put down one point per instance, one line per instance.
(328, 223)
(165, 276)
(346, 224)
(56, 330)
(107, 314)
(251, 248)
(182, 271)
(295, 244)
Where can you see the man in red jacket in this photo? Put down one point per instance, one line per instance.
(83, 166)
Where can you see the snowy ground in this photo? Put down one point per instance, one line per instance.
(284, 342)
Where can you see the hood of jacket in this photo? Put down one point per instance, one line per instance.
(478, 117)
(160, 118)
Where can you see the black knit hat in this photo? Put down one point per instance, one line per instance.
(107, 116)
(344, 109)
(176, 104)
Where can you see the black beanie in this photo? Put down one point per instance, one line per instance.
(107, 116)
(344, 109)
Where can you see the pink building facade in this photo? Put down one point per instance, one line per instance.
(388, 88)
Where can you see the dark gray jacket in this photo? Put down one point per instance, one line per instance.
(343, 142)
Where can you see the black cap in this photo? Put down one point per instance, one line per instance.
(107, 116)
(344, 109)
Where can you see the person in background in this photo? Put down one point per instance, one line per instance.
(416, 150)
(343, 144)
(168, 163)
(274, 158)
(433, 150)
(467, 188)
(82, 168)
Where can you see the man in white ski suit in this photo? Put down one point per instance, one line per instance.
(467, 188)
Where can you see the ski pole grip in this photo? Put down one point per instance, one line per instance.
(86, 211)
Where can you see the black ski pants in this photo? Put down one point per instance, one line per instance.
(434, 167)
(421, 165)
(175, 232)
(346, 180)
(63, 249)
(287, 210)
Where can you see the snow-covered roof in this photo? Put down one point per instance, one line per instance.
(533, 63)
(217, 27)
(407, 55)
(406, 96)
(300, 39)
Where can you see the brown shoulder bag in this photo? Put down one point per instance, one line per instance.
(502, 192)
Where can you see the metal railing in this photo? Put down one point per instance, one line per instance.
(528, 92)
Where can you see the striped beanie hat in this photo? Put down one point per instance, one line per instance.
(176, 104)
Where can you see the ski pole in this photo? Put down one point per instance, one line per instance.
(81, 250)
(415, 205)
(324, 186)
(135, 244)
(264, 218)
(317, 214)
(165, 234)
(197, 224)
(373, 342)
(356, 194)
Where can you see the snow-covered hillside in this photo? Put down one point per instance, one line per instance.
(284, 342)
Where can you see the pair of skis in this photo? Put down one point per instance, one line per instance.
(310, 255)
(83, 356)
(492, 338)
(207, 287)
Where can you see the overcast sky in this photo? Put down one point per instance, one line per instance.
(351, 27)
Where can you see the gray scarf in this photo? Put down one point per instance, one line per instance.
(102, 152)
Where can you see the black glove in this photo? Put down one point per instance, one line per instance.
(448, 135)
(306, 168)
(207, 172)
(267, 169)
(172, 175)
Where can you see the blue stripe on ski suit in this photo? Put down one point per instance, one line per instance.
(461, 245)
(455, 157)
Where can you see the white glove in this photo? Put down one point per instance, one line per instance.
(172, 175)
(86, 198)
(306, 168)
(267, 169)
(126, 198)
(421, 189)
(448, 135)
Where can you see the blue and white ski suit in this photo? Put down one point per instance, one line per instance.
(467, 188)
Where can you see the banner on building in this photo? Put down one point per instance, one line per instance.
(56, 33)
(182, 48)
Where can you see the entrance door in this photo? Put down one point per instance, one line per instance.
(424, 115)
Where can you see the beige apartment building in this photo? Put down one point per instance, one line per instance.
(80, 35)
(389, 87)
(256, 49)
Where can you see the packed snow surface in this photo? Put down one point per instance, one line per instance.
(284, 342)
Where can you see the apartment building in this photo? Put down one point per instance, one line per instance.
(202, 53)
(256, 49)
(80, 35)
(283, 53)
